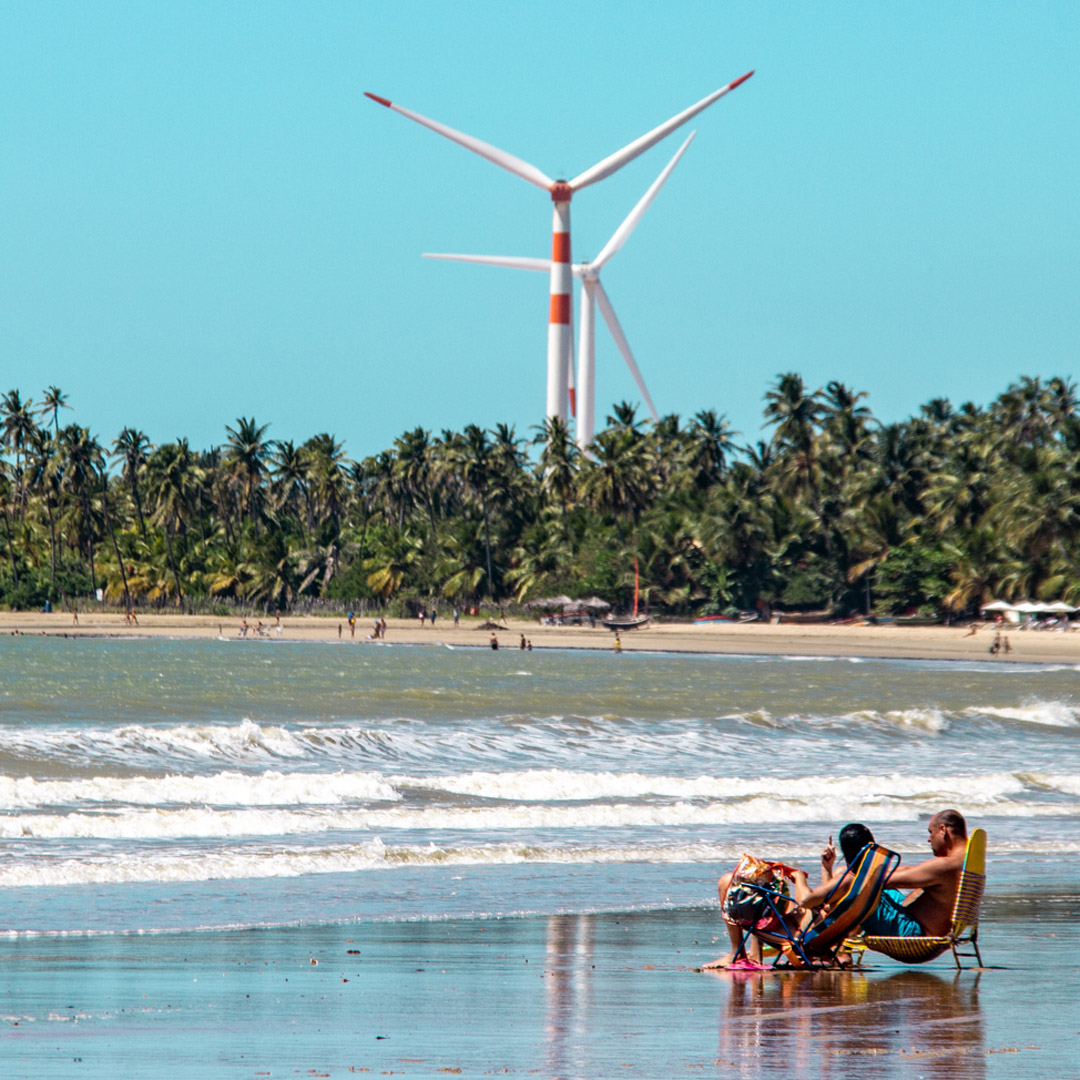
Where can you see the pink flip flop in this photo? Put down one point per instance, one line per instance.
(744, 963)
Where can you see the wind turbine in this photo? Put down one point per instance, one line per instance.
(592, 294)
(561, 191)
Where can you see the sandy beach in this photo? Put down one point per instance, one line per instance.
(577, 996)
(886, 641)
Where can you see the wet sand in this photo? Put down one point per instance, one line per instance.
(884, 641)
(591, 996)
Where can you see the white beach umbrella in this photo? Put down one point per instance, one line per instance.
(1060, 606)
(997, 605)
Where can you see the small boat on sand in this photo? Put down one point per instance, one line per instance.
(626, 622)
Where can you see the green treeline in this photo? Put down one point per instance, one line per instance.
(832, 511)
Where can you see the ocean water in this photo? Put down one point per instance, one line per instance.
(262, 858)
(155, 785)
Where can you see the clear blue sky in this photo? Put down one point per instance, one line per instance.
(201, 216)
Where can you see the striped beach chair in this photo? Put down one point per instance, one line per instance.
(852, 899)
(965, 919)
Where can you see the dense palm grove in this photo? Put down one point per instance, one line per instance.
(832, 511)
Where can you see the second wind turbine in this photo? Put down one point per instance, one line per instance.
(592, 292)
(561, 191)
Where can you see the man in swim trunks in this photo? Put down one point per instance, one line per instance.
(928, 908)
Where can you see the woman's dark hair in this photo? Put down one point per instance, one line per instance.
(853, 838)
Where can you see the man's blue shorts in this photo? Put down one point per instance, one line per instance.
(890, 919)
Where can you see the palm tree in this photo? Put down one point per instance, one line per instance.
(131, 446)
(17, 427)
(248, 454)
(476, 465)
(389, 565)
(560, 461)
(82, 460)
(171, 476)
(290, 473)
(709, 444)
(55, 400)
(413, 469)
(325, 468)
(617, 480)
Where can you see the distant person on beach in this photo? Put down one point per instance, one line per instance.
(457, 616)
(494, 643)
(523, 646)
(339, 631)
(432, 616)
(995, 647)
(243, 627)
(382, 628)
(618, 642)
(352, 624)
(74, 616)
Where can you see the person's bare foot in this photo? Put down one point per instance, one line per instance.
(720, 963)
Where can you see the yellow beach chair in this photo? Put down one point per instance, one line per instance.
(965, 920)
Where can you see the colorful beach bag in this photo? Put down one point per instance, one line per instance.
(747, 908)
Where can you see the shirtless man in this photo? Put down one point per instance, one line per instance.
(928, 908)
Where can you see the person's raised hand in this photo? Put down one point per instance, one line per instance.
(828, 856)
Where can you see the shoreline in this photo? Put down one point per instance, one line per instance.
(884, 642)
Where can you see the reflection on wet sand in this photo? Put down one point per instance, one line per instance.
(840, 1024)
(567, 964)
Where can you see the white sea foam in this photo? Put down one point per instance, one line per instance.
(220, 789)
(933, 721)
(308, 791)
(244, 742)
(871, 799)
(251, 862)
(1044, 713)
(556, 785)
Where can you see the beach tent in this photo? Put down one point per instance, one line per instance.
(1060, 607)
(997, 605)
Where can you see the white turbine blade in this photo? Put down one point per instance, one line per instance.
(624, 346)
(639, 146)
(485, 150)
(622, 233)
(515, 262)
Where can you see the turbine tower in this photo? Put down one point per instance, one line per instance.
(561, 191)
(592, 294)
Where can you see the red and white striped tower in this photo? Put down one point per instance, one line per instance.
(562, 283)
(560, 313)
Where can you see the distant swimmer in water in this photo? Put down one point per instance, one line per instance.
(528, 645)
(524, 645)
(494, 642)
